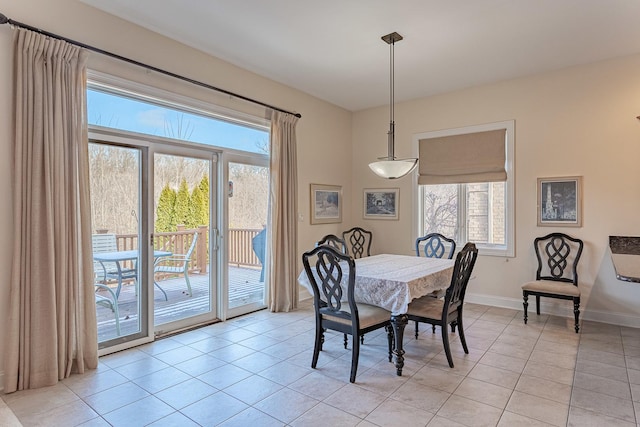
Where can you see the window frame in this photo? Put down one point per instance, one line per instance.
(506, 250)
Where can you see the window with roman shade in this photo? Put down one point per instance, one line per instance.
(464, 158)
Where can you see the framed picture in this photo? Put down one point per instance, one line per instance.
(560, 201)
(326, 204)
(381, 203)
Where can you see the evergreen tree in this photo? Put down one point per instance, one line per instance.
(182, 209)
(204, 190)
(197, 208)
(165, 211)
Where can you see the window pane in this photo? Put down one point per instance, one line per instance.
(136, 115)
(441, 209)
(486, 212)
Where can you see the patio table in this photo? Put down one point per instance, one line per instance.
(121, 274)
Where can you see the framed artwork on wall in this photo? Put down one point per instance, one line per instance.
(381, 203)
(326, 204)
(560, 201)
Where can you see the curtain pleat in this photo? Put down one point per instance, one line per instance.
(52, 329)
(283, 284)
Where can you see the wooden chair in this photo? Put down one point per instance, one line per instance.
(434, 246)
(557, 275)
(333, 241)
(448, 311)
(358, 242)
(176, 264)
(330, 271)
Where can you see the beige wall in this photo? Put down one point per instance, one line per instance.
(577, 121)
(324, 132)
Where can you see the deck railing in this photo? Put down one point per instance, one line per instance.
(239, 243)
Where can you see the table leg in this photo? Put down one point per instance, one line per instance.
(399, 322)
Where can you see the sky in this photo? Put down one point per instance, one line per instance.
(118, 112)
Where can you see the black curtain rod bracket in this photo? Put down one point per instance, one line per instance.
(5, 20)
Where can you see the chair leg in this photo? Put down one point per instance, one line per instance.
(186, 279)
(355, 354)
(461, 333)
(433, 329)
(576, 312)
(361, 339)
(525, 297)
(389, 330)
(317, 346)
(538, 305)
(166, 298)
(417, 329)
(345, 341)
(445, 343)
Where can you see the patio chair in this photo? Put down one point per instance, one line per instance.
(259, 246)
(108, 270)
(326, 269)
(110, 302)
(176, 264)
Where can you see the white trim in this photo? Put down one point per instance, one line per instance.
(509, 126)
(555, 308)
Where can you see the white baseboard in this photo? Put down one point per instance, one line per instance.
(557, 309)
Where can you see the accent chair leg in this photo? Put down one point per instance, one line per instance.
(576, 312)
(461, 333)
(417, 329)
(317, 346)
(525, 297)
(355, 353)
(345, 341)
(538, 305)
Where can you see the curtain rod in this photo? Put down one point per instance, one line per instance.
(5, 20)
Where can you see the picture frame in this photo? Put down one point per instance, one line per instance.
(326, 204)
(560, 201)
(381, 203)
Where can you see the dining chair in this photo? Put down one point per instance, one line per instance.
(328, 270)
(358, 242)
(557, 274)
(448, 311)
(176, 264)
(333, 241)
(434, 246)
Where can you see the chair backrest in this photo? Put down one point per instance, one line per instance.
(193, 245)
(357, 242)
(465, 260)
(333, 241)
(331, 272)
(104, 243)
(558, 255)
(434, 246)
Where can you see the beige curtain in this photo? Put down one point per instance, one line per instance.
(52, 325)
(283, 284)
(464, 158)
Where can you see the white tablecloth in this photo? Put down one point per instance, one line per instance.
(392, 281)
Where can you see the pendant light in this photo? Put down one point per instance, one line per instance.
(389, 167)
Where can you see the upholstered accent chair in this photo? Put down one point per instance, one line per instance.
(557, 274)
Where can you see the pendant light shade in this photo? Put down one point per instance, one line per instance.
(389, 167)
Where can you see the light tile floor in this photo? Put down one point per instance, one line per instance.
(254, 371)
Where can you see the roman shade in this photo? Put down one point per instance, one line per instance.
(470, 157)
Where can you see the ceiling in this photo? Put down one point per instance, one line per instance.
(332, 49)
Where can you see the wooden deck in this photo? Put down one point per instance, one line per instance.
(244, 288)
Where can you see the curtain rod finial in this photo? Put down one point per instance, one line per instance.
(3, 19)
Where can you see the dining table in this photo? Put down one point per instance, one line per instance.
(392, 281)
(119, 257)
